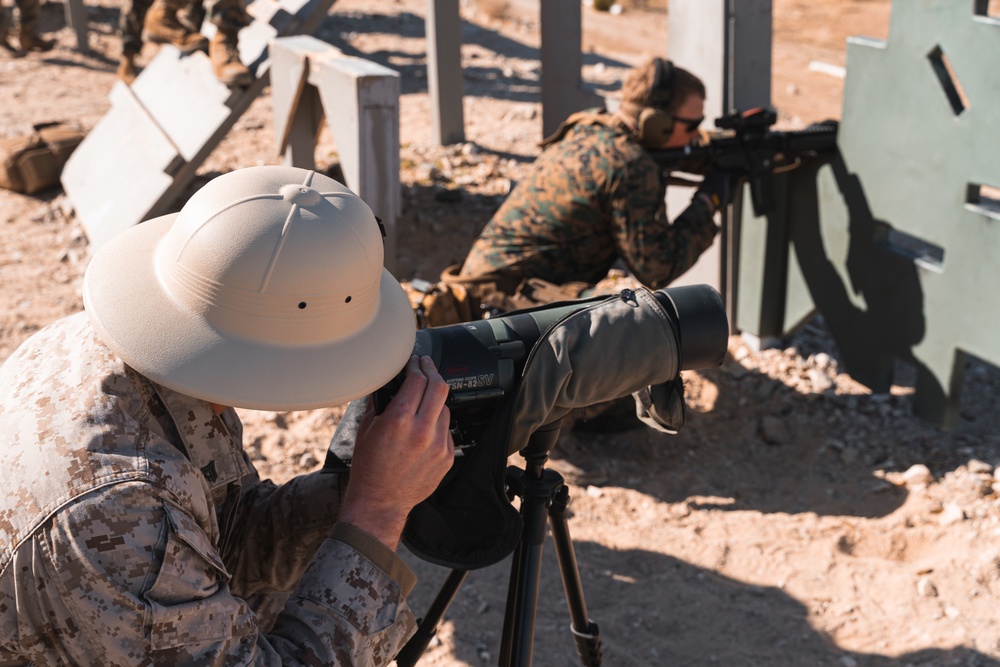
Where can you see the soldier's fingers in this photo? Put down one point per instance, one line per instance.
(407, 399)
(444, 424)
(435, 393)
(442, 447)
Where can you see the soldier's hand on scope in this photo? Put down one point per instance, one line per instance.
(401, 455)
(717, 187)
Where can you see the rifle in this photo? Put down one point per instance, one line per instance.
(748, 146)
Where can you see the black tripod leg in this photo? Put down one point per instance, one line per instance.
(522, 592)
(585, 632)
(421, 639)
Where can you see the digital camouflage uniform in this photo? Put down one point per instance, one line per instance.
(27, 16)
(28, 11)
(134, 530)
(591, 198)
(229, 16)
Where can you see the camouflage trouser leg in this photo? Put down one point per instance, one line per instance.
(132, 19)
(5, 23)
(229, 16)
(28, 15)
(191, 13)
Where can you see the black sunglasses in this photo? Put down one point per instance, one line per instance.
(691, 124)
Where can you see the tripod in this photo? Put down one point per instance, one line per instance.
(543, 495)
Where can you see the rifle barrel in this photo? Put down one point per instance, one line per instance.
(818, 137)
(733, 152)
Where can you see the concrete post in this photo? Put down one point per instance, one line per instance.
(562, 64)
(76, 19)
(444, 71)
(727, 43)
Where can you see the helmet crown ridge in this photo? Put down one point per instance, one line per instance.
(281, 255)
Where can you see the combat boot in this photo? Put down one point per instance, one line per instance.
(5, 22)
(225, 57)
(126, 68)
(32, 41)
(191, 16)
(163, 27)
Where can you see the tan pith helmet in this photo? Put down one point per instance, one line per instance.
(266, 291)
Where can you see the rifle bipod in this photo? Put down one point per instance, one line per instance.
(543, 495)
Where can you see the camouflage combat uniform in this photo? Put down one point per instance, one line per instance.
(134, 530)
(591, 198)
(27, 11)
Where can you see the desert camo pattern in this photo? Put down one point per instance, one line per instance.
(134, 530)
(130, 24)
(28, 14)
(229, 16)
(591, 198)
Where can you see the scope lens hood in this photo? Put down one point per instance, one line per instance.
(701, 321)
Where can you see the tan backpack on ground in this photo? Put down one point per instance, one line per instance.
(35, 162)
(456, 298)
(437, 304)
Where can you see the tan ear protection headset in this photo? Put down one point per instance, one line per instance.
(655, 125)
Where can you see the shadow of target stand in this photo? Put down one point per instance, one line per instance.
(894, 240)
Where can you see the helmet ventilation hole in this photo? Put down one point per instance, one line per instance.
(347, 300)
(302, 305)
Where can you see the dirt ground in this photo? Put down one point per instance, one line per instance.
(797, 519)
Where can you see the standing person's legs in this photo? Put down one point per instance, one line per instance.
(163, 26)
(133, 18)
(28, 35)
(5, 23)
(229, 16)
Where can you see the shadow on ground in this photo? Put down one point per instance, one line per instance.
(508, 84)
(653, 609)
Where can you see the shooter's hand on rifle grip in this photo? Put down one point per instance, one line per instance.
(717, 187)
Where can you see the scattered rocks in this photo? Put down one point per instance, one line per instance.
(951, 514)
(980, 467)
(926, 588)
(917, 474)
(774, 431)
(521, 112)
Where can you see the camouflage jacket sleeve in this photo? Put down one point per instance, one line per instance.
(655, 250)
(280, 528)
(277, 530)
(144, 585)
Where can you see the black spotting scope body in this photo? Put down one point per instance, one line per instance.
(482, 360)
